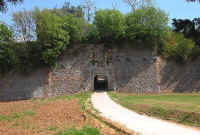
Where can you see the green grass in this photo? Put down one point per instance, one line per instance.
(182, 108)
(83, 131)
(17, 115)
(29, 113)
(53, 128)
(81, 97)
(5, 118)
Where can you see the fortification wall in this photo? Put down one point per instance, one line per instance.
(177, 77)
(127, 69)
(17, 86)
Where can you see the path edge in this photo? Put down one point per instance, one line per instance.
(89, 109)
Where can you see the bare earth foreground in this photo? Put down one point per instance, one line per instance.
(139, 123)
(46, 117)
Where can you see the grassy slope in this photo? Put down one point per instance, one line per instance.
(182, 108)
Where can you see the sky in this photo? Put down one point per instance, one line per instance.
(175, 8)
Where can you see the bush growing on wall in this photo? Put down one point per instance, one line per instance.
(109, 24)
(22, 56)
(93, 34)
(8, 57)
(146, 24)
(179, 48)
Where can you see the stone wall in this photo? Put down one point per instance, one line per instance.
(127, 69)
(16, 86)
(180, 77)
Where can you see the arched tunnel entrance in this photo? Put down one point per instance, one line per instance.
(100, 82)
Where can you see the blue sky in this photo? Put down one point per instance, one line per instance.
(175, 8)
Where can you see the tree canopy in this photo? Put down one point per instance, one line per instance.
(4, 3)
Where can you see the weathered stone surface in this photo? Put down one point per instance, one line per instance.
(16, 86)
(180, 77)
(127, 69)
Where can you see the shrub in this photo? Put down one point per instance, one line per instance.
(5, 33)
(195, 52)
(178, 47)
(146, 24)
(93, 34)
(8, 57)
(109, 24)
(29, 55)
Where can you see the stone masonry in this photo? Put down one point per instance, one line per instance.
(127, 69)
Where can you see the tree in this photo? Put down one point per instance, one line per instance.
(147, 24)
(69, 9)
(88, 6)
(24, 25)
(178, 47)
(5, 33)
(134, 4)
(75, 23)
(109, 24)
(76, 27)
(190, 28)
(4, 4)
(51, 35)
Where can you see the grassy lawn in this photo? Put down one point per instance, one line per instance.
(181, 108)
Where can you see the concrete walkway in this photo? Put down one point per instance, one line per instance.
(139, 123)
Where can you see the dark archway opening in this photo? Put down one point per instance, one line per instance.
(100, 83)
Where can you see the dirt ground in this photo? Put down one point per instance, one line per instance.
(38, 117)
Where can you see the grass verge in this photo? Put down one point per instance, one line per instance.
(86, 130)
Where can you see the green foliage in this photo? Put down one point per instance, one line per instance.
(93, 34)
(57, 29)
(195, 52)
(146, 24)
(76, 27)
(5, 33)
(28, 54)
(84, 131)
(19, 56)
(179, 48)
(109, 24)
(51, 35)
(68, 9)
(8, 57)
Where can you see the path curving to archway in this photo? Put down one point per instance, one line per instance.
(144, 125)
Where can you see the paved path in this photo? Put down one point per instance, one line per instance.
(139, 123)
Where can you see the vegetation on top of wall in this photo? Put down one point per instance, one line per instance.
(51, 35)
(55, 30)
(110, 24)
(5, 33)
(178, 48)
(147, 24)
